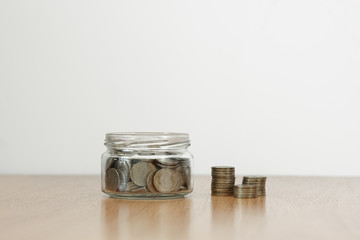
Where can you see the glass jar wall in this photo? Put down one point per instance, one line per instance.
(147, 165)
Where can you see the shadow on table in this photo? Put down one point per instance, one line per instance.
(230, 215)
(146, 219)
(251, 207)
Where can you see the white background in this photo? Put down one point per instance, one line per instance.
(271, 87)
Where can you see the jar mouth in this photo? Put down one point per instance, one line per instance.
(147, 140)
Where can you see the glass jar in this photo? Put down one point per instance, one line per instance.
(147, 165)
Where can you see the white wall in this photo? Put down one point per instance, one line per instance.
(271, 87)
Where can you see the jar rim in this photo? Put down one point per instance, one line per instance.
(143, 140)
(146, 134)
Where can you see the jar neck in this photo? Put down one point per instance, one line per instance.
(150, 141)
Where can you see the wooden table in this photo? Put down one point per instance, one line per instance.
(73, 207)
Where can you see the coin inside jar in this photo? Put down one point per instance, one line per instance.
(166, 180)
(168, 161)
(112, 179)
(140, 172)
(124, 167)
(132, 187)
(182, 171)
(180, 180)
(150, 182)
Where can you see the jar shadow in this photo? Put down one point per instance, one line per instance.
(144, 219)
(222, 216)
(235, 218)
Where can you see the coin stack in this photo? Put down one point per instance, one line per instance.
(258, 181)
(223, 179)
(245, 191)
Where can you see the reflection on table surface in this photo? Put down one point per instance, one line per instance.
(294, 208)
(172, 219)
(156, 219)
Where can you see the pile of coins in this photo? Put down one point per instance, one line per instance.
(223, 179)
(258, 181)
(245, 191)
(156, 176)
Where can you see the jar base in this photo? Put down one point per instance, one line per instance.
(147, 196)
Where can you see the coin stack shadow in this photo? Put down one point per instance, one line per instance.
(223, 180)
(258, 181)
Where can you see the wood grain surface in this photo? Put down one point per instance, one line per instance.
(73, 207)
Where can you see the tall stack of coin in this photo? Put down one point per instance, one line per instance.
(223, 179)
(245, 191)
(258, 181)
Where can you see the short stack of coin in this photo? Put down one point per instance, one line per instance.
(223, 180)
(245, 191)
(258, 181)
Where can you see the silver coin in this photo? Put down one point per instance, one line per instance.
(112, 179)
(168, 161)
(124, 167)
(140, 172)
(166, 166)
(166, 180)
